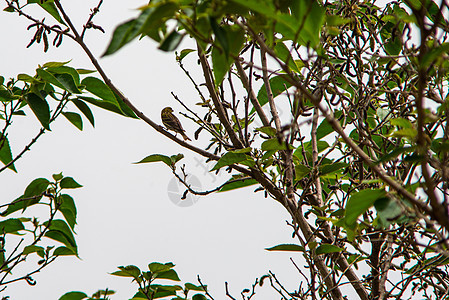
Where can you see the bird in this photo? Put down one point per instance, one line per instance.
(171, 122)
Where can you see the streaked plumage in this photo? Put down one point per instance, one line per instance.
(171, 122)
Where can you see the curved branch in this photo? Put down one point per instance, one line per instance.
(266, 81)
(109, 83)
(218, 106)
(252, 95)
(337, 127)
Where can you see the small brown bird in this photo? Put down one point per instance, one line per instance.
(171, 122)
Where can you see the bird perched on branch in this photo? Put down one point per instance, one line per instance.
(171, 122)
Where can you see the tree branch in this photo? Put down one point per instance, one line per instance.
(274, 112)
(252, 95)
(217, 103)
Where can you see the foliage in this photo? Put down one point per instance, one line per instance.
(54, 84)
(359, 155)
(56, 89)
(25, 237)
(148, 289)
(368, 176)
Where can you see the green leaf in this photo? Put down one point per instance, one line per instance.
(72, 81)
(11, 10)
(286, 247)
(61, 232)
(124, 108)
(323, 129)
(333, 20)
(139, 296)
(236, 39)
(123, 34)
(184, 53)
(346, 84)
(192, 287)
(409, 133)
(301, 171)
(429, 263)
(75, 119)
(175, 158)
(221, 65)
(273, 144)
(36, 187)
(50, 7)
(232, 184)
(19, 113)
(278, 86)
(228, 159)
(126, 32)
(68, 209)
(99, 293)
(360, 202)
(440, 145)
(57, 177)
(33, 194)
(67, 83)
(63, 251)
(26, 78)
(199, 297)
(171, 41)
(73, 296)
(163, 294)
(128, 271)
(382, 113)
(40, 109)
(264, 7)
(55, 64)
(7, 96)
(111, 101)
(283, 53)
(332, 168)
(69, 183)
(434, 54)
(328, 248)
(268, 130)
(243, 150)
(148, 23)
(390, 211)
(395, 153)
(156, 157)
(5, 152)
(61, 226)
(304, 25)
(434, 12)
(99, 89)
(157, 267)
(34, 249)
(110, 106)
(401, 122)
(321, 145)
(11, 226)
(85, 110)
(85, 71)
(220, 59)
(158, 15)
(170, 274)
(220, 35)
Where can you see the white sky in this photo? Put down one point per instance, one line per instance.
(124, 212)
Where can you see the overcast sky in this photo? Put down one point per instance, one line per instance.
(125, 212)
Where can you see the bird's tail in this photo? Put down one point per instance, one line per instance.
(185, 137)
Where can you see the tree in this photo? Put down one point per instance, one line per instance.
(360, 159)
